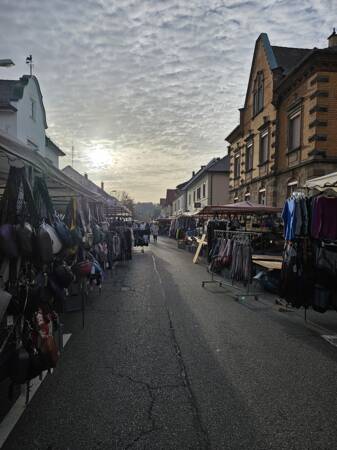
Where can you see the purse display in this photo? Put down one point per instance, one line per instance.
(24, 235)
(55, 241)
(63, 233)
(44, 245)
(8, 242)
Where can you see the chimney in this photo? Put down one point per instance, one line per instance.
(102, 185)
(193, 173)
(332, 39)
(86, 175)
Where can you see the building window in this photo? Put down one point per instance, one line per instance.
(32, 109)
(262, 196)
(264, 147)
(237, 166)
(198, 193)
(204, 190)
(249, 156)
(247, 196)
(291, 187)
(189, 199)
(258, 93)
(193, 196)
(294, 131)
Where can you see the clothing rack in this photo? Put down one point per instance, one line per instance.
(226, 234)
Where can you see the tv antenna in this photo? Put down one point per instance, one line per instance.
(72, 154)
(29, 60)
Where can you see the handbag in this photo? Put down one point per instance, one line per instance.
(82, 268)
(8, 243)
(44, 246)
(76, 236)
(63, 233)
(24, 235)
(63, 275)
(55, 241)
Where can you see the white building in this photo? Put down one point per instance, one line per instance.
(22, 115)
(209, 186)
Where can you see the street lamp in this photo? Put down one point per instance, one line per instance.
(6, 63)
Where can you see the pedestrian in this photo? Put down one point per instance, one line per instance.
(154, 231)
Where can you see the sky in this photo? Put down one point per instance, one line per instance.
(148, 90)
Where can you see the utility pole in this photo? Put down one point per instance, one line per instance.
(72, 155)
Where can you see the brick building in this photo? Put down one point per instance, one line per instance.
(288, 125)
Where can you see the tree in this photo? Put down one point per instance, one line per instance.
(126, 200)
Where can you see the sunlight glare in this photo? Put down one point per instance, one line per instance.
(100, 157)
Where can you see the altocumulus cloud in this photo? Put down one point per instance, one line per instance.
(147, 90)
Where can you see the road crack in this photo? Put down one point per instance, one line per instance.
(197, 420)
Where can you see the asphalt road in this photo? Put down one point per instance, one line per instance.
(166, 364)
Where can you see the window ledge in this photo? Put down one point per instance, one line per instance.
(249, 170)
(293, 150)
(264, 163)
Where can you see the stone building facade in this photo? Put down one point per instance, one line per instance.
(288, 125)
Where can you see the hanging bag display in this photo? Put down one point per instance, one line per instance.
(8, 243)
(55, 241)
(63, 233)
(63, 275)
(24, 235)
(82, 269)
(44, 246)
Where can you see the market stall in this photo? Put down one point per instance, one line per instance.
(55, 241)
(241, 237)
(309, 270)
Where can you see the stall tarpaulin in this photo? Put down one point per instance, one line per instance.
(245, 207)
(323, 183)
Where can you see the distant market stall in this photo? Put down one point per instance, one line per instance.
(240, 208)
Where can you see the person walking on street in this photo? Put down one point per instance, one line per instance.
(154, 230)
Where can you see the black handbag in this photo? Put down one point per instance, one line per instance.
(24, 235)
(8, 243)
(63, 275)
(44, 246)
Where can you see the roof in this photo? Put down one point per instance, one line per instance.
(245, 207)
(12, 91)
(284, 58)
(220, 165)
(288, 57)
(182, 185)
(50, 144)
(171, 195)
(90, 185)
(58, 181)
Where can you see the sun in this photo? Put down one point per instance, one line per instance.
(100, 156)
